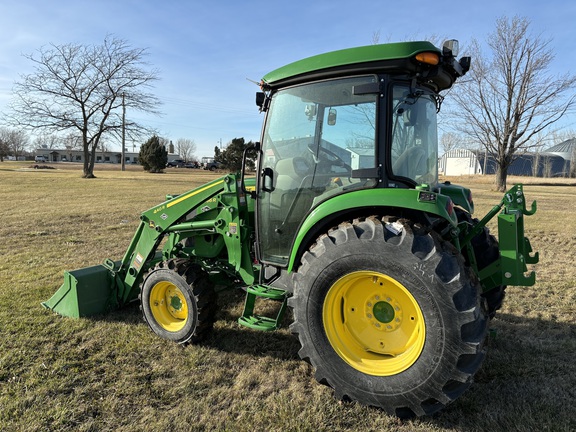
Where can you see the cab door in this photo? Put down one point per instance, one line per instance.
(318, 137)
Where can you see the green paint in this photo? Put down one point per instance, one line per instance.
(349, 58)
(218, 218)
(383, 312)
(175, 303)
(391, 198)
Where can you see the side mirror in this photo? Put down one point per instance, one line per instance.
(267, 180)
(332, 114)
(260, 98)
(310, 111)
(253, 147)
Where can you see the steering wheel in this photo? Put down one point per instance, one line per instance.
(328, 157)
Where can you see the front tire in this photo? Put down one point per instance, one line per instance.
(178, 301)
(388, 316)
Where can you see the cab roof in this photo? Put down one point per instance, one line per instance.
(370, 58)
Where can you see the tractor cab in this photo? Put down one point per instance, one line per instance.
(331, 131)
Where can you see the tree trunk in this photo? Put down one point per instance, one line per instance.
(87, 172)
(85, 167)
(501, 175)
(89, 157)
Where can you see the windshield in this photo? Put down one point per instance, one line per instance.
(414, 135)
(317, 140)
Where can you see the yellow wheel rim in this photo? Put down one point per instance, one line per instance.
(168, 306)
(374, 323)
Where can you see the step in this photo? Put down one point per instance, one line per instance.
(259, 322)
(267, 292)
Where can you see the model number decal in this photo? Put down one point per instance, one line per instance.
(421, 268)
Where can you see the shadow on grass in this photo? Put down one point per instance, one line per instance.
(527, 381)
(227, 335)
(129, 314)
(238, 340)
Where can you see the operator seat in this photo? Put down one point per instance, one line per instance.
(411, 163)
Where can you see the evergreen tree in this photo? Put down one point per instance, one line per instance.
(153, 155)
(218, 155)
(231, 157)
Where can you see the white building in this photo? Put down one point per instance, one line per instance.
(554, 162)
(113, 157)
(459, 162)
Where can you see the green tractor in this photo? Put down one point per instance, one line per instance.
(390, 280)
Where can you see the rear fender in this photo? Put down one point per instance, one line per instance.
(413, 199)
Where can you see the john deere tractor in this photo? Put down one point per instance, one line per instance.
(390, 279)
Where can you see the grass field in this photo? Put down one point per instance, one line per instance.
(114, 374)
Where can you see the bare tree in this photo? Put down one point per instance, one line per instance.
(47, 140)
(559, 136)
(4, 150)
(186, 148)
(18, 142)
(546, 166)
(72, 141)
(572, 172)
(450, 141)
(510, 96)
(14, 141)
(82, 88)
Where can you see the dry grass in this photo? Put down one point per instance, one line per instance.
(115, 374)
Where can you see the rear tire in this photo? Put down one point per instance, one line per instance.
(388, 319)
(487, 251)
(178, 301)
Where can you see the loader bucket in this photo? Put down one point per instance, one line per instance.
(85, 292)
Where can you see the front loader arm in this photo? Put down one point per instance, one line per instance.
(154, 224)
(217, 208)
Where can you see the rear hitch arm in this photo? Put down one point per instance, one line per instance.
(515, 248)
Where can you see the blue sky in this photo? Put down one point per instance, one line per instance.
(204, 51)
